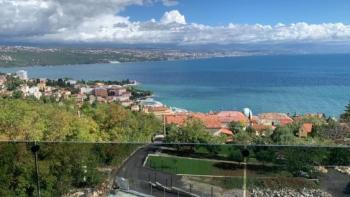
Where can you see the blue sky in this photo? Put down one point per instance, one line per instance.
(185, 22)
(221, 12)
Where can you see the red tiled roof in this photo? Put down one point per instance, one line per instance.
(176, 119)
(260, 127)
(282, 118)
(210, 121)
(307, 127)
(229, 116)
(226, 131)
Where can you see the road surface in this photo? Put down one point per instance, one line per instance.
(138, 175)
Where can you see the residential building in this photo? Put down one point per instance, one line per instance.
(116, 91)
(305, 129)
(42, 84)
(211, 122)
(71, 82)
(22, 74)
(92, 99)
(2, 80)
(101, 92)
(176, 119)
(135, 108)
(262, 130)
(158, 111)
(86, 90)
(226, 117)
(225, 132)
(274, 119)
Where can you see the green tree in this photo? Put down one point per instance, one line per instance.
(236, 127)
(192, 132)
(284, 135)
(346, 115)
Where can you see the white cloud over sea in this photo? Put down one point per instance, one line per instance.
(94, 21)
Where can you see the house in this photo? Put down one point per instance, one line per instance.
(274, 119)
(225, 132)
(71, 82)
(79, 98)
(210, 121)
(92, 99)
(86, 90)
(2, 80)
(177, 119)
(158, 111)
(37, 95)
(22, 74)
(32, 90)
(42, 84)
(66, 94)
(101, 92)
(262, 130)
(135, 108)
(116, 91)
(24, 89)
(226, 117)
(305, 129)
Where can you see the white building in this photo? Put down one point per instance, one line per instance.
(22, 74)
(86, 90)
(71, 82)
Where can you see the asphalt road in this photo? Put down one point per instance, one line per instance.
(336, 183)
(138, 175)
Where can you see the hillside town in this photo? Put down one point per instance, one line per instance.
(218, 123)
(19, 85)
(64, 89)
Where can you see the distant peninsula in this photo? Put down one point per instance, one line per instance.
(42, 56)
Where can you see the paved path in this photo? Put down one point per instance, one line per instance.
(336, 183)
(133, 169)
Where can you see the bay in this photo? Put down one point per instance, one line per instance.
(281, 83)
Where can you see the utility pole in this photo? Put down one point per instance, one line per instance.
(35, 149)
(164, 129)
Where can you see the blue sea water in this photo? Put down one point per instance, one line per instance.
(283, 83)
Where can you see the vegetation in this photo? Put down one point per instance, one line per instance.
(236, 127)
(29, 119)
(192, 132)
(122, 82)
(346, 115)
(137, 93)
(178, 165)
(62, 167)
(12, 82)
(42, 56)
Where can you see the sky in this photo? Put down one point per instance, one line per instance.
(182, 22)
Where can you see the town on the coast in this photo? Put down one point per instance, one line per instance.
(224, 124)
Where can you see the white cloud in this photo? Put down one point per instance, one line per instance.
(170, 2)
(174, 16)
(32, 17)
(92, 21)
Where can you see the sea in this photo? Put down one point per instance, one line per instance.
(295, 84)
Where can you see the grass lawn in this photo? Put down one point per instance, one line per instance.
(272, 177)
(178, 165)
